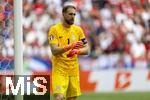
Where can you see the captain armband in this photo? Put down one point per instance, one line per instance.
(84, 40)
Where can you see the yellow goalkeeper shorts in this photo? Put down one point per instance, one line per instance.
(69, 86)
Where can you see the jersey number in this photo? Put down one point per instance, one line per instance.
(68, 41)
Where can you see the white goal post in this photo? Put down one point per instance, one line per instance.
(18, 41)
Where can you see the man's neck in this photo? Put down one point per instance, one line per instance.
(66, 25)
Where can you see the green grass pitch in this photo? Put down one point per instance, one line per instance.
(116, 96)
(98, 96)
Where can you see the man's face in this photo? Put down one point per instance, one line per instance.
(69, 16)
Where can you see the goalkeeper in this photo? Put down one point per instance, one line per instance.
(67, 41)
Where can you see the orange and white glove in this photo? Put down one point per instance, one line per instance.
(73, 53)
(76, 45)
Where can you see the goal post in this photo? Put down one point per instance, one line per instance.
(18, 41)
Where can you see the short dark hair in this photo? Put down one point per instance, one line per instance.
(65, 8)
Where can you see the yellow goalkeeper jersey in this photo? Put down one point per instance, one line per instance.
(58, 34)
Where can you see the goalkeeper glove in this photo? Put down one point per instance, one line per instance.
(76, 45)
(73, 52)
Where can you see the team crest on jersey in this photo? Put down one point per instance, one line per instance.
(73, 37)
(51, 37)
(57, 88)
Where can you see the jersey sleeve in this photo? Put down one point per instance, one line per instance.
(52, 36)
(82, 36)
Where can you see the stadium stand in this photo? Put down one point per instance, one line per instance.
(117, 31)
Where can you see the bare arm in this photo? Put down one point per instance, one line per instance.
(85, 50)
(56, 50)
(59, 50)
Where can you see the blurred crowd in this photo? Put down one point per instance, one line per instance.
(6, 28)
(118, 31)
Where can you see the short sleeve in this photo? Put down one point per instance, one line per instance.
(52, 36)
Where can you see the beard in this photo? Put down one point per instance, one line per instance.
(70, 22)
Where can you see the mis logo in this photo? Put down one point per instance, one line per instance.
(27, 85)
